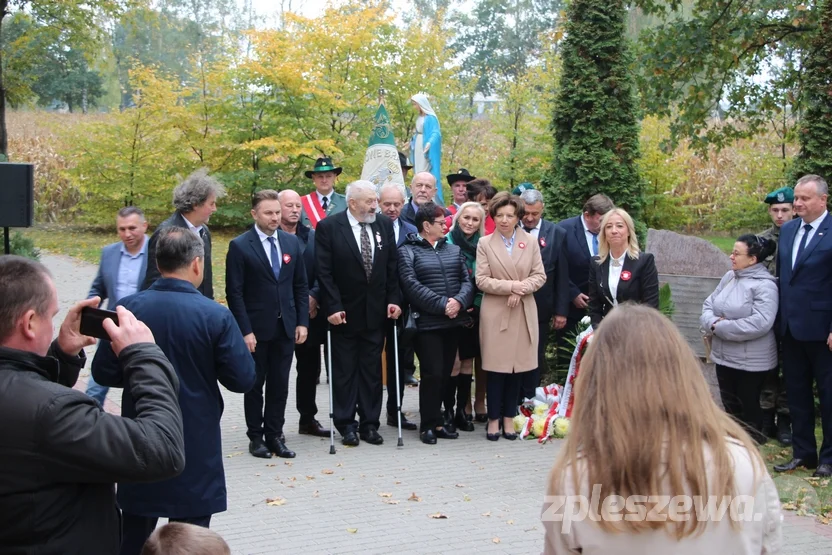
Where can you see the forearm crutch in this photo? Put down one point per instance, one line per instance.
(329, 381)
(398, 381)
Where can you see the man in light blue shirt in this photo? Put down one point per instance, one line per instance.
(121, 271)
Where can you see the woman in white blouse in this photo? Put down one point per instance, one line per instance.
(620, 272)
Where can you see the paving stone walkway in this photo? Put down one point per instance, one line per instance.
(383, 499)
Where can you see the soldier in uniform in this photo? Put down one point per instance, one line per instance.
(776, 421)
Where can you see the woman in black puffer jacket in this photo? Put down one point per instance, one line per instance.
(436, 284)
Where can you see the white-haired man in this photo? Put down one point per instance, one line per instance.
(357, 274)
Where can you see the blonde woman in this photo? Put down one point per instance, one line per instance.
(620, 271)
(468, 228)
(647, 444)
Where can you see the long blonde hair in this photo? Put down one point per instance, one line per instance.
(604, 247)
(474, 206)
(643, 420)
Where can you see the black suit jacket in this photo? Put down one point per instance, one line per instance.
(553, 298)
(341, 277)
(177, 220)
(642, 285)
(578, 258)
(253, 294)
(409, 215)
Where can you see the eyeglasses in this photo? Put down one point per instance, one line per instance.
(736, 254)
(439, 222)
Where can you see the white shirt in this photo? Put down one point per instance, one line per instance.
(327, 197)
(267, 246)
(615, 275)
(535, 231)
(588, 235)
(356, 231)
(396, 227)
(800, 232)
(192, 227)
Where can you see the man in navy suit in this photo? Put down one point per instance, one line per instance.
(391, 200)
(204, 345)
(121, 271)
(358, 276)
(553, 298)
(308, 353)
(195, 199)
(423, 188)
(804, 264)
(267, 291)
(581, 245)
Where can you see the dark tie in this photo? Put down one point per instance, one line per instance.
(366, 251)
(594, 244)
(325, 203)
(806, 229)
(202, 233)
(528, 229)
(275, 258)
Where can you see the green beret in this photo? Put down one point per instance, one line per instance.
(781, 196)
(521, 188)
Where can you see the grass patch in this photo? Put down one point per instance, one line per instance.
(86, 244)
(799, 492)
(725, 244)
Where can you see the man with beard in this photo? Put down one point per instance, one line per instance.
(357, 273)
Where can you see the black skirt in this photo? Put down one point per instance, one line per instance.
(469, 341)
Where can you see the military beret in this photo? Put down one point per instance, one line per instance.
(781, 196)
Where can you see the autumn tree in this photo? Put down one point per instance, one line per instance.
(595, 114)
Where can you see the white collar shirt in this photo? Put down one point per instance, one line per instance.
(800, 232)
(322, 197)
(589, 236)
(356, 231)
(264, 241)
(535, 231)
(192, 227)
(616, 265)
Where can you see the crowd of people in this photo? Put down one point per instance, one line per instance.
(471, 290)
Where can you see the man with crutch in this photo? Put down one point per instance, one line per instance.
(357, 274)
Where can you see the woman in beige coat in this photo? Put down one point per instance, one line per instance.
(509, 271)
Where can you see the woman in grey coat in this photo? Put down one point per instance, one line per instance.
(738, 317)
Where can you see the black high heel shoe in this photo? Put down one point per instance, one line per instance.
(462, 423)
(490, 436)
(511, 437)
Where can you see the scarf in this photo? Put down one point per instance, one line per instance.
(467, 246)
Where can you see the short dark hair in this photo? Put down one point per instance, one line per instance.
(759, 247)
(23, 287)
(477, 187)
(176, 248)
(505, 198)
(427, 212)
(179, 538)
(264, 194)
(598, 204)
(130, 211)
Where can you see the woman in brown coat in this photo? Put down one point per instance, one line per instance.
(509, 271)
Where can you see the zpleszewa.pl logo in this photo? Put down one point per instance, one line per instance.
(639, 508)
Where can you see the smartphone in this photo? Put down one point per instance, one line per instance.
(92, 322)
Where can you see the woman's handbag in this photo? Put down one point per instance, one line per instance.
(409, 315)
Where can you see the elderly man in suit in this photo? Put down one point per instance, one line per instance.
(423, 189)
(267, 291)
(357, 273)
(121, 271)
(391, 201)
(581, 245)
(804, 262)
(308, 353)
(195, 199)
(324, 201)
(553, 298)
(204, 345)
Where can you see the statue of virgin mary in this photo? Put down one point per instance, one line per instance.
(426, 145)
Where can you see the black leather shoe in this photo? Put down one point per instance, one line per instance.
(410, 379)
(350, 438)
(481, 417)
(445, 433)
(492, 437)
(784, 430)
(511, 437)
(313, 428)
(796, 463)
(428, 437)
(462, 423)
(258, 449)
(279, 448)
(824, 471)
(372, 436)
(406, 424)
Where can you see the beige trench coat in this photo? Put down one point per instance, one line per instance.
(508, 336)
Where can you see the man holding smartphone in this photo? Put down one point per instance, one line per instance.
(60, 453)
(121, 270)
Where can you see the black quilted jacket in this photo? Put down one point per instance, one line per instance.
(429, 277)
